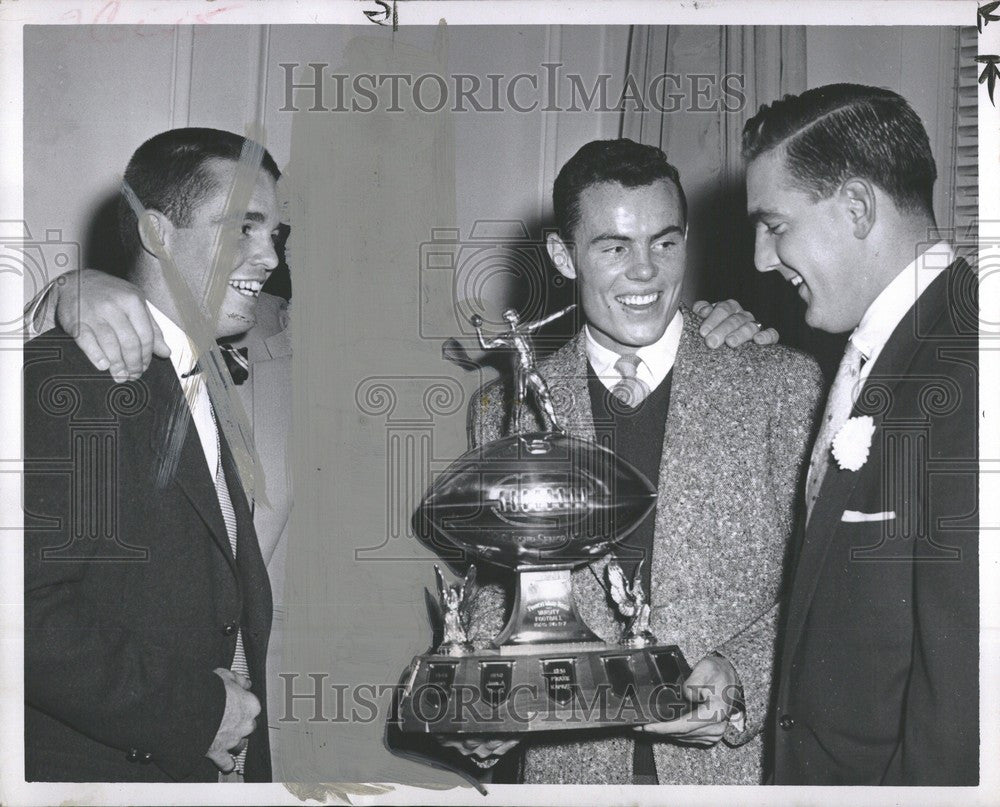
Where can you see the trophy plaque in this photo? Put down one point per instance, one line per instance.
(538, 505)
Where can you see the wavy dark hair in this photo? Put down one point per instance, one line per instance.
(169, 173)
(829, 134)
(631, 164)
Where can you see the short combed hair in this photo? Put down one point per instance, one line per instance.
(829, 134)
(170, 173)
(623, 161)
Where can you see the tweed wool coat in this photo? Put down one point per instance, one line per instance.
(734, 453)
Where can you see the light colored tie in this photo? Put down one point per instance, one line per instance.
(239, 664)
(631, 390)
(838, 407)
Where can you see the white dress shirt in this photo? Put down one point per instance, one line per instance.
(183, 358)
(889, 308)
(657, 359)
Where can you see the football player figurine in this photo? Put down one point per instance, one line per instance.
(631, 603)
(454, 604)
(525, 373)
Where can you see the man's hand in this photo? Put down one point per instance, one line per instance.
(486, 751)
(728, 322)
(109, 320)
(238, 720)
(712, 687)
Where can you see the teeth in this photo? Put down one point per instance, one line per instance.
(796, 281)
(639, 299)
(248, 288)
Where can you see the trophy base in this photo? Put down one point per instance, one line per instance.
(543, 687)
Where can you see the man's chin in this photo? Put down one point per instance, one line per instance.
(634, 340)
(233, 323)
(816, 320)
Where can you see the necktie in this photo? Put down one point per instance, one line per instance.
(239, 664)
(631, 390)
(838, 407)
(236, 362)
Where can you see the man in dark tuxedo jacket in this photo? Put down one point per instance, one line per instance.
(878, 679)
(147, 604)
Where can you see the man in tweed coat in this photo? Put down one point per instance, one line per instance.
(733, 429)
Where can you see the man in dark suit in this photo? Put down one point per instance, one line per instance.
(879, 667)
(147, 604)
(91, 302)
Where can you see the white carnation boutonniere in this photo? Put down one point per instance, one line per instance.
(852, 443)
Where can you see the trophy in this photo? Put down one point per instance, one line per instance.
(538, 505)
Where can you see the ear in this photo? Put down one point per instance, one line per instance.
(559, 252)
(155, 230)
(858, 196)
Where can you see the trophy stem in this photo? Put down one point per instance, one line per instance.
(544, 610)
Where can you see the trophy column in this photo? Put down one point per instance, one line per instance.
(544, 611)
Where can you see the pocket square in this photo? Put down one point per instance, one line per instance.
(856, 517)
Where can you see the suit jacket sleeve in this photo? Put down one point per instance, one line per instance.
(95, 672)
(751, 650)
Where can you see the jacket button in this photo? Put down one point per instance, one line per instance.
(146, 758)
(132, 755)
(229, 628)
(787, 722)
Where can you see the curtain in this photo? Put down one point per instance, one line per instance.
(701, 131)
(965, 147)
(702, 140)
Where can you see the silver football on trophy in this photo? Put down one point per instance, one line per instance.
(533, 499)
(539, 503)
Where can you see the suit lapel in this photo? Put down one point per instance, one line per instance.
(891, 367)
(698, 409)
(566, 373)
(175, 441)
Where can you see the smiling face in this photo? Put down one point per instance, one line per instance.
(630, 252)
(249, 239)
(812, 245)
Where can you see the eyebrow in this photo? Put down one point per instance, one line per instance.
(673, 228)
(757, 214)
(254, 216)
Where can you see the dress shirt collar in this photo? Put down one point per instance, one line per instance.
(193, 387)
(182, 354)
(889, 308)
(657, 358)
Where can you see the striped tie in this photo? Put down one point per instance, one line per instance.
(838, 407)
(236, 362)
(239, 664)
(631, 390)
